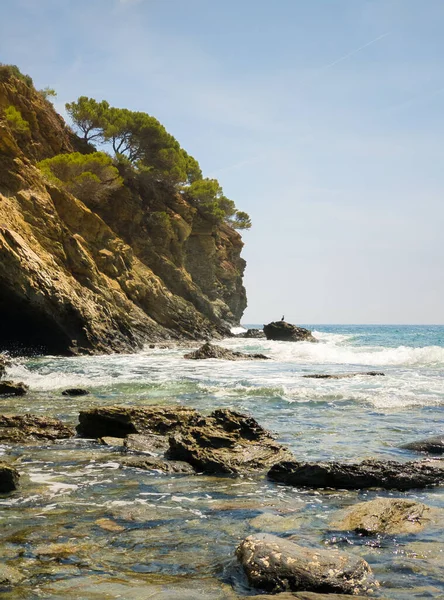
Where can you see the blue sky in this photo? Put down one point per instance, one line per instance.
(323, 119)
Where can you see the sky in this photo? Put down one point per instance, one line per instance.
(323, 119)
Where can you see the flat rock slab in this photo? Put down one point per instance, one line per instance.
(367, 474)
(226, 442)
(150, 443)
(344, 375)
(75, 392)
(9, 478)
(432, 445)
(121, 421)
(31, 428)
(155, 463)
(278, 565)
(211, 351)
(9, 388)
(286, 332)
(387, 515)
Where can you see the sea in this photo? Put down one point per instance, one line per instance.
(81, 526)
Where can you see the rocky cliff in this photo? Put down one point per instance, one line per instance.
(85, 276)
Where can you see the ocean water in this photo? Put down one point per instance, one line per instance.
(169, 537)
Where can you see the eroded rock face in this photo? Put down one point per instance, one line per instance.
(156, 463)
(367, 474)
(120, 421)
(31, 428)
(226, 442)
(278, 565)
(9, 478)
(286, 332)
(387, 515)
(432, 445)
(210, 351)
(9, 388)
(344, 375)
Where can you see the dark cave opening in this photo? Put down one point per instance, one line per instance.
(26, 330)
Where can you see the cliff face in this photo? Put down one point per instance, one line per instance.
(74, 276)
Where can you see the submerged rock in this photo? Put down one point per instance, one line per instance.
(286, 332)
(367, 474)
(9, 388)
(31, 428)
(433, 445)
(343, 375)
(10, 576)
(155, 463)
(120, 421)
(210, 351)
(9, 478)
(278, 565)
(226, 442)
(75, 392)
(387, 515)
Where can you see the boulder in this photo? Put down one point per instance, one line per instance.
(343, 375)
(120, 421)
(9, 388)
(387, 515)
(286, 332)
(9, 478)
(252, 334)
(210, 351)
(226, 442)
(155, 463)
(75, 392)
(31, 428)
(433, 445)
(367, 474)
(279, 565)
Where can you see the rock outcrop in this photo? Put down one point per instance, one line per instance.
(367, 474)
(104, 277)
(387, 515)
(155, 463)
(286, 332)
(252, 334)
(278, 565)
(9, 388)
(226, 442)
(9, 478)
(29, 428)
(433, 445)
(211, 351)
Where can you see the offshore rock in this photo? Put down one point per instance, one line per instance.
(387, 515)
(210, 351)
(9, 478)
(286, 332)
(226, 442)
(252, 334)
(278, 565)
(344, 375)
(9, 388)
(367, 474)
(31, 428)
(120, 421)
(155, 463)
(75, 392)
(433, 445)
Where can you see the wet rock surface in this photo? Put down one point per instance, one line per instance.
(9, 388)
(120, 421)
(75, 392)
(9, 478)
(155, 463)
(211, 351)
(432, 445)
(309, 596)
(252, 334)
(226, 442)
(4, 362)
(277, 565)
(286, 332)
(343, 375)
(387, 515)
(10, 576)
(150, 443)
(31, 428)
(367, 474)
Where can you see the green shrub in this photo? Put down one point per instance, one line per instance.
(90, 177)
(47, 93)
(8, 71)
(15, 120)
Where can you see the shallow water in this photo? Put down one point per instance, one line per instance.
(81, 527)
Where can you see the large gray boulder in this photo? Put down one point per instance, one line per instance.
(30, 428)
(432, 445)
(211, 351)
(9, 478)
(286, 332)
(387, 515)
(226, 442)
(367, 474)
(278, 565)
